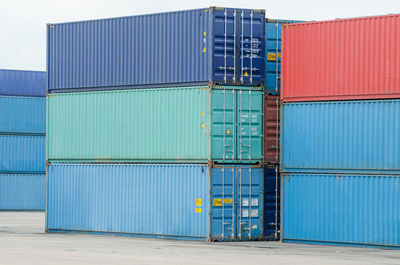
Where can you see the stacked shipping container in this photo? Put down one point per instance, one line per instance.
(155, 125)
(340, 159)
(22, 140)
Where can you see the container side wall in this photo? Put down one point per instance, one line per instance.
(19, 153)
(341, 136)
(22, 192)
(157, 200)
(358, 209)
(271, 203)
(342, 59)
(22, 83)
(25, 115)
(271, 129)
(134, 125)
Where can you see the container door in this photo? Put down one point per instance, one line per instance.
(223, 126)
(249, 125)
(249, 207)
(223, 221)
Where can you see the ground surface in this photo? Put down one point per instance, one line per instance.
(23, 241)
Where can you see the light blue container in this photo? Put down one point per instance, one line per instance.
(341, 136)
(22, 83)
(22, 154)
(22, 192)
(22, 115)
(184, 201)
(341, 209)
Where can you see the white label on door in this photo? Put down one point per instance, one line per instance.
(245, 213)
(254, 213)
(254, 227)
(254, 202)
(245, 202)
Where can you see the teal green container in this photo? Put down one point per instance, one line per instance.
(185, 124)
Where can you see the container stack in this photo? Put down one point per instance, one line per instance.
(22, 140)
(155, 125)
(340, 132)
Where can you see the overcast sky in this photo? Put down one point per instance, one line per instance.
(23, 22)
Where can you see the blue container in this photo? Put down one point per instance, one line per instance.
(341, 209)
(271, 203)
(341, 136)
(22, 115)
(185, 201)
(273, 29)
(22, 192)
(22, 83)
(22, 154)
(219, 45)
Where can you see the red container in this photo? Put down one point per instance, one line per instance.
(341, 59)
(271, 130)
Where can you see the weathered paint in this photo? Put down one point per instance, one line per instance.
(271, 129)
(341, 136)
(341, 209)
(219, 45)
(22, 83)
(159, 200)
(22, 115)
(22, 192)
(192, 124)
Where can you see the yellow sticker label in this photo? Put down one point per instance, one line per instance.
(204, 49)
(217, 202)
(227, 200)
(204, 33)
(198, 202)
(271, 56)
(246, 74)
(198, 210)
(279, 55)
(202, 125)
(202, 114)
(228, 131)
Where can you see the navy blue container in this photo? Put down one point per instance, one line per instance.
(273, 29)
(22, 83)
(271, 203)
(220, 45)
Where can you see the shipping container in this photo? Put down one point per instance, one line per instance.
(224, 46)
(22, 154)
(22, 115)
(271, 129)
(22, 192)
(341, 209)
(181, 124)
(342, 59)
(273, 29)
(348, 136)
(22, 83)
(183, 201)
(271, 202)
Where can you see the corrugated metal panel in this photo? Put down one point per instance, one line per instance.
(22, 115)
(166, 48)
(358, 209)
(22, 83)
(166, 124)
(273, 29)
(22, 192)
(342, 59)
(271, 129)
(341, 136)
(153, 200)
(20, 153)
(271, 203)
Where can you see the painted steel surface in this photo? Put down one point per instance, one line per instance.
(342, 59)
(341, 208)
(183, 47)
(22, 115)
(22, 153)
(22, 192)
(22, 83)
(347, 136)
(158, 200)
(192, 124)
(271, 129)
(273, 30)
(271, 202)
